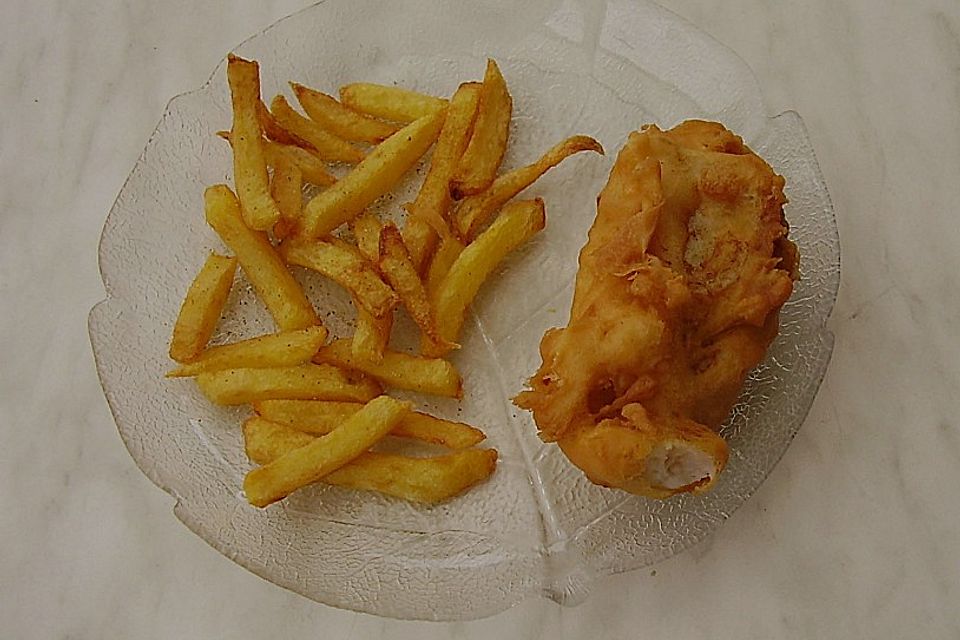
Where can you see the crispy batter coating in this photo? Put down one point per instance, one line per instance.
(676, 300)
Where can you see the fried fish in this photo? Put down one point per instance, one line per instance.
(677, 298)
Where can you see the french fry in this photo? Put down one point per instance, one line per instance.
(286, 187)
(341, 120)
(328, 146)
(446, 254)
(275, 132)
(421, 241)
(373, 177)
(372, 334)
(484, 153)
(309, 163)
(399, 370)
(202, 307)
(307, 464)
(274, 284)
(265, 441)
(283, 349)
(366, 229)
(300, 382)
(344, 265)
(395, 265)
(517, 223)
(249, 166)
(318, 417)
(426, 480)
(311, 166)
(474, 211)
(390, 103)
(427, 213)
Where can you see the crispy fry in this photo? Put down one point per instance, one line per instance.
(366, 229)
(309, 163)
(300, 382)
(421, 241)
(427, 480)
(274, 284)
(373, 177)
(400, 370)
(515, 225)
(249, 166)
(372, 334)
(341, 120)
(319, 417)
(275, 132)
(343, 264)
(286, 187)
(265, 441)
(311, 166)
(307, 464)
(328, 146)
(202, 307)
(444, 257)
(484, 153)
(389, 103)
(426, 214)
(283, 349)
(476, 210)
(395, 265)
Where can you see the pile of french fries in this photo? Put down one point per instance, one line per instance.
(319, 404)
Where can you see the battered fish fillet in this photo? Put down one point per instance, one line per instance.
(676, 300)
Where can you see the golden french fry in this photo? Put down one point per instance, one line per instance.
(341, 120)
(400, 370)
(286, 187)
(377, 174)
(319, 417)
(309, 163)
(426, 214)
(484, 153)
(446, 254)
(474, 211)
(390, 103)
(427, 480)
(300, 382)
(344, 265)
(274, 284)
(305, 465)
(275, 132)
(201, 307)
(328, 146)
(249, 166)
(283, 349)
(366, 229)
(265, 441)
(517, 223)
(421, 241)
(372, 335)
(311, 166)
(395, 265)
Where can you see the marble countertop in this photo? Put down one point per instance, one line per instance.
(853, 535)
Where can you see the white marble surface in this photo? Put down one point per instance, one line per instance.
(855, 533)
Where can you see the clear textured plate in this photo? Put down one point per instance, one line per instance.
(538, 527)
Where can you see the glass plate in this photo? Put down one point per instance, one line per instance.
(538, 527)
